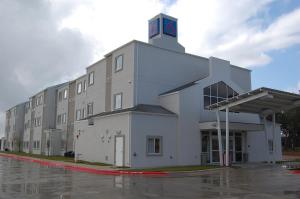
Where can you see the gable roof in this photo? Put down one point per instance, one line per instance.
(143, 108)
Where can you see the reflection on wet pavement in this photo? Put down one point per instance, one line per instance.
(28, 180)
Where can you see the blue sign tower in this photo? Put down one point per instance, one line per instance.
(163, 32)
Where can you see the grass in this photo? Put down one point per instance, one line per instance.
(179, 168)
(56, 158)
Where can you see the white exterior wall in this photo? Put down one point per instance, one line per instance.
(96, 143)
(96, 92)
(144, 125)
(37, 130)
(62, 108)
(159, 70)
(80, 102)
(257, 146)
(26, 136)
(123, 80)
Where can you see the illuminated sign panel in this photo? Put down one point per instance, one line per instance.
(169, 27)
(154, 28)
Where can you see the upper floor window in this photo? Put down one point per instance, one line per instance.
(118, 101)
(41, 100)
(90, 109)
(79, 87)
(59, 96)
(84, 85)
(78, 114)
(64, 118)
(59, 119)
(65, 94)
(216, 93)
(119, 63)
(91, 78)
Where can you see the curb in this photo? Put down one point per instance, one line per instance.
(83, 169)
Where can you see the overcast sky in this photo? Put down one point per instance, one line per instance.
(44, 42)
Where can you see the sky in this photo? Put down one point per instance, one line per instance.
(47, 42)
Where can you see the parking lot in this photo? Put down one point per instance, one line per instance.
(20, 179)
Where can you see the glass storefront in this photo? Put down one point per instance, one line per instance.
(210, 146)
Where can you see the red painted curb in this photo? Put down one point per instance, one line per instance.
(296, 171)
(84, 169)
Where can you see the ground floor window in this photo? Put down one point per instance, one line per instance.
(270, 144)
(154, 145)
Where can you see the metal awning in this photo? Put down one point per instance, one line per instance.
(233, 126)
(260, 101)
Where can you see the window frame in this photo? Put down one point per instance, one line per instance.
(78, 115)
(160, 153)
(91, 74)
(115, 101)
(91, 104)
(60, 96)
(65, 94)
(64, 118)
(84, 85)
(117, 69)
(77, 88)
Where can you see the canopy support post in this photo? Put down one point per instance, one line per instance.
(274, 140)
(266, 139)
(227, 137)
(220, 138)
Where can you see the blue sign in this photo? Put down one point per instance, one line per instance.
(169, 27)
(154, 27)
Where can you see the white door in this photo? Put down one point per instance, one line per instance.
(119, 151)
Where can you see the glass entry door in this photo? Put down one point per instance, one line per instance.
(210, 147)
(215, 148)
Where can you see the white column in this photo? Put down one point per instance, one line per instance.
(227, 137)
(220, 138)
(274, 140)
(266, 139)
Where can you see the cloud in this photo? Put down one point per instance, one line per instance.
(235, 30)
(35, 52)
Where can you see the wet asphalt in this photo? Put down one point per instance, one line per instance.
(20, 179)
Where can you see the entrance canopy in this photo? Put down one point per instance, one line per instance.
(261, 101)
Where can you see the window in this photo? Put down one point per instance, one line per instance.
(78, 114)
(154, 145)
(37, 144)
(83, 113)
(270, 143)
(65, 94)
(59, 96)
(64, 118)
(91, 78)
(59, 119)
(41, 100)
(216, 93)
(84, 85)
(90, 109)
(39, 121)
(79, 88)
(118, 101)
(119, 63)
